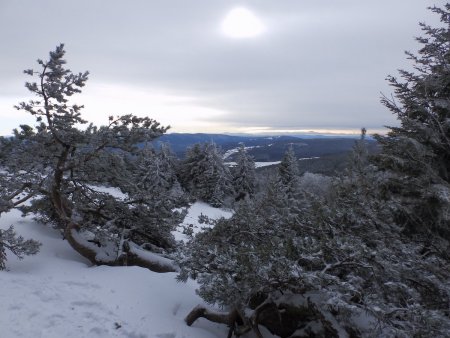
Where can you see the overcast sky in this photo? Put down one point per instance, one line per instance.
(319, 65)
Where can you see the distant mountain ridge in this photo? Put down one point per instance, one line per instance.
(263, 148)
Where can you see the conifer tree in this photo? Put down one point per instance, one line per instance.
(16, 187)
(359, 156)
(244, 177)
(289, 172)
(416, 154)
(17, 245)
(62, 161)
(155, 185)
(341, 249)
(204, 174)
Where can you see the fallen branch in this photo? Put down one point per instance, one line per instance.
(130, 256)
(228, 318)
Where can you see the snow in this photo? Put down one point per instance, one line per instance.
(152, 257)
(230, 152)
(307, 158)
(191, 220)
(265, 164)
(257, 164)
(57, 293)
(113, 191)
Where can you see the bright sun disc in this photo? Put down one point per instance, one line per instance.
(241, 23)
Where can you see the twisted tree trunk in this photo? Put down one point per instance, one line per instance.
(128, 257)
(89, 250)
(237, 323)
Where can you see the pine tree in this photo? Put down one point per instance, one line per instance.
(244, 177)
(15, 244)
(62, 161)
(359, 156)
(204, 174)
(289, 172)
(155, 185)
(190, 171)
(16, 187)
(341, 249)
(416, 154)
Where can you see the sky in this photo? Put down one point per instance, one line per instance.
(315, 65)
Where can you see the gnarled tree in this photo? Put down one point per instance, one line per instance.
(66, 158)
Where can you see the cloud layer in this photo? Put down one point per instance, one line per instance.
(319, 64)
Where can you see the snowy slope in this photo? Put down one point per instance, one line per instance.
(58, 294)
(191, 219)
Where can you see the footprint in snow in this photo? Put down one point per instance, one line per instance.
(86, 304)
(176, 308)
(166, 335)
(84, 285)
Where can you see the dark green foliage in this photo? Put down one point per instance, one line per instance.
(244, 180)
(152, 182)
(416, 155)
(288, 172)
(204, 175)
(62, 162)
(16, 245)
(16, 187)
(341, 249)
(231, 260)
(262, 148)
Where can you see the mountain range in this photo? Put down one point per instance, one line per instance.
(263, 148)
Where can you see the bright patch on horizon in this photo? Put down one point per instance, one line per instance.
(241, 23)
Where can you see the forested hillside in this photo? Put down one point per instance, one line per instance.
(264, 148)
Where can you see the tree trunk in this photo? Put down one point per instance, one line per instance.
(228, 318)
(282, 320)
(129, 257)
(81, 245)
(233, 319)
(84, 250)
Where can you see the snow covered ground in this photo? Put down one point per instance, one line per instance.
(257, 164)
(233, 151)
(57, 293)
(191, 219)
(266, 164)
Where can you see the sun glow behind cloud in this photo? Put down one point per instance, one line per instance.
(241, 23)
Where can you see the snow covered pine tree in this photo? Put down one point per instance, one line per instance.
(96, 224)
(416, 154)
(244, 179)
(15, 189)
(204, 174)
